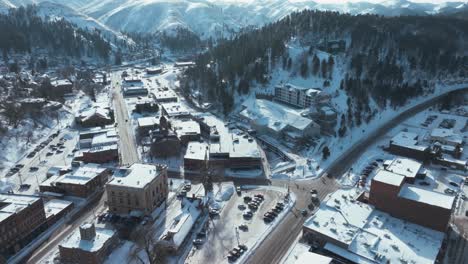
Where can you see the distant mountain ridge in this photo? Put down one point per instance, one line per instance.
(210, 18)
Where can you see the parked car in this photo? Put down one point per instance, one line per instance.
(259, 195)
(273, 213)
(201, 234)
(247, 199)
(241, 206)
(424, 183)
(244, 227)
(197, 241)
(253, 206)
(238, 190)
(33, 168)
(267, 219)
(248, 214)
(304, 212)
(454, 184)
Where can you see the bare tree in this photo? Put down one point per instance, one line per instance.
(146, 242)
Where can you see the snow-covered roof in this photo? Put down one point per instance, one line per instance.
(175, 109)
(186, 127)
(404, 166)
(74, 240)
(389, 178)
(379, 238)
(61, 82)
(340, 217)
(233, 142)
(100, 110)
(181, 225)
(137, 176)
(274, 116)
(311, 257)
(447, 135)
(147, 121)
(420, 195)
(55, 206)
(82, 175)
(196, 150)
(405, 138)
(165, 94)
(13, 203)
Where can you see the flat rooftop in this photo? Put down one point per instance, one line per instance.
(196, 150)
(233, 142)
(370, 235)
(185, 127)
(75, 241)
(340, 216)
(136, 176)
(404, 166)
(147, 121)
(162, 94)
(274, 116)
(428, 197)
(405, 139)
(389, 178)
(313, 258)
(13, 203)
(80, 176)
(175, 109)
(55, 206)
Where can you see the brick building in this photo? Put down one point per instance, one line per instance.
(137, 190)
(391, 194)
(88, 245)
(22, 218)
(82, 182)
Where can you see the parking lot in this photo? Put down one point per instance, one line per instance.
(231, 228)
(56, 150)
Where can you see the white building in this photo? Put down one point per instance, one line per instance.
(362, 234)
(299, 96)
(446, 137)
(278, 120)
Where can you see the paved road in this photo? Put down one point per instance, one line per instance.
(128, 146)
(89, 212)
(278, 242)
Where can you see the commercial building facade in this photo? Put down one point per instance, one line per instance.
(137, 190)
(22, 218)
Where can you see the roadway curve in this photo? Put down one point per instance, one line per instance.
(277, 243)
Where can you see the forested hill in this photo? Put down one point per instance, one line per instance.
(22, 30)
(389, 59)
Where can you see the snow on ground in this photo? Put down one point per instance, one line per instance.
(309, 163)
(437, 179)
(221, 234)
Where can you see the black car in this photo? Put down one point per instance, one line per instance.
(201, 234)
(267, 219)
(247, 199)
(247, 214)
(32, 169)
(276, 210)
(273, 213)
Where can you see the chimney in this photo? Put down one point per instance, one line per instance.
(87, 231)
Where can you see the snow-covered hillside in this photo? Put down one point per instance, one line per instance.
(54, 10)
(210, 17)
